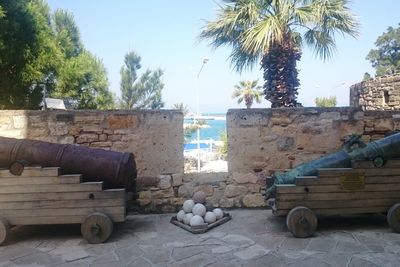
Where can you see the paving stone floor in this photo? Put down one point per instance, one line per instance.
(251, 238)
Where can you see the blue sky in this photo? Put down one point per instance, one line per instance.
(164, 33)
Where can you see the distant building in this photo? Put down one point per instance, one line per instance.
(58, 104)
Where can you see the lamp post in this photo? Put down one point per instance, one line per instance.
(205, 60)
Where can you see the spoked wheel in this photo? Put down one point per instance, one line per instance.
(393, 217)
(302, 222)
(97, 228)
(4, 230)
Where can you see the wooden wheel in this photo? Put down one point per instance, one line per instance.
(4, 230)
(97, 228)
(302, 222)
(393, 217)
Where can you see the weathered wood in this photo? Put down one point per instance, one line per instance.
(33, 172)
(338, 196)
(96, 228)
(369, 164)
(326, 204)
(314, 180)
(4, 230)
(293, 189)
(339, 211)
(83, 187)
(302, 222)
(333, 172)
(393, 217)
(62, 179)
(70, 219)
(106, 194)
(53, 204)
(118, 210)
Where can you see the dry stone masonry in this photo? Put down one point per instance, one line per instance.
(382, 93)
(260, 142)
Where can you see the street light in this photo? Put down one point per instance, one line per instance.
(205, 60)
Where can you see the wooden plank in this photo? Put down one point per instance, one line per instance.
(25, 180)
(54, 188)
(314, 180)
(33, 171)
(58, 219)
(293, 189)
(60, 212)
(340, 211)
(323, 173)
(106, 194)
(325, 204)
(368, 164)
(338, 196)
(49, 204)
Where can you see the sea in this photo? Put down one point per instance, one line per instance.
(215, 127)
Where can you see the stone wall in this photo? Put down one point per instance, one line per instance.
(155, 137)
(260, 142)
(382, 93)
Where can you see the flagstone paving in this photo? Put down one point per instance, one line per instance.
(251, 238)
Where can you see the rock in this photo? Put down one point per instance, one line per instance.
(177, 179)
(199, 197)
(219, 214)
(207, 189)
(181, 214)
(235, 190)
(242, 178)
(254, 200)
(226, 203)
(196, 220)
(188, 206)
(199, 209)
(165, 181)
(187, 218)
(210, 217)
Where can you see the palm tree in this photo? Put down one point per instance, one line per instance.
(274, 31)
(247, 91)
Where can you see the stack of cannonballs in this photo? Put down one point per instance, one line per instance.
(194, 212)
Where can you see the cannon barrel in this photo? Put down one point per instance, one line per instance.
(115, 169)
(383, 149)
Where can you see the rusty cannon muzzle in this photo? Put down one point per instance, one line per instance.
(353, 149)
(115, 169)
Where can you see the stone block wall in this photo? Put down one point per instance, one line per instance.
(260, 142)
(155, 137)
(381, 93)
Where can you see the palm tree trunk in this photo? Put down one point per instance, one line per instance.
(280, 75)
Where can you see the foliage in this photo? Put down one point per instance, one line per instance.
(28, 53)
(181, 107)
(223, 150)
(326, 102)
(43, 54)
(274, 31)
(386, 58)
(142, 92)
(367, 76)
(247, 91)
(190, 129)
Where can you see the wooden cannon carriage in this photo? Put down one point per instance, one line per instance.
(361, 189)
(43, 196)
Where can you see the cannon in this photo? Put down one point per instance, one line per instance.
(359, 179)
(353, 149)
(115, 169)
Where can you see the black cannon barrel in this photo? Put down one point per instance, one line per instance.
(385, 148)
(115, 169)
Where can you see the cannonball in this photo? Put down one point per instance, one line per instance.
(199, 197)
(180, 215)
(187, 218)
(210, 217)
(188, 205)
(218, 213)
(199, 209)
(196, 220)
